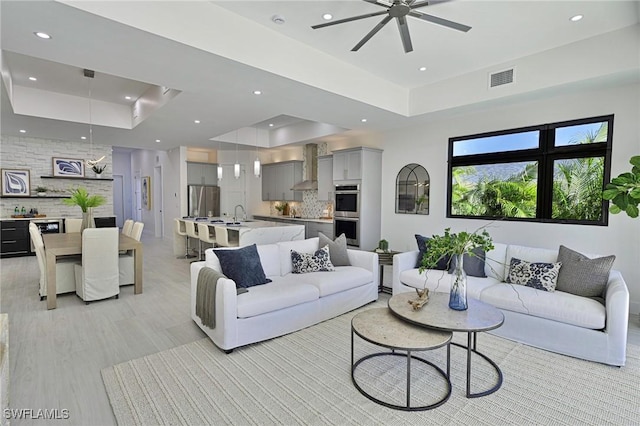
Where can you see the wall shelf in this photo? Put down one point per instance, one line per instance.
(73, 177)
(35, 196)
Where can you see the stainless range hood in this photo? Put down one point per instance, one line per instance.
(311, 162)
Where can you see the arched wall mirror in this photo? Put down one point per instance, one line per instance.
(412, 190)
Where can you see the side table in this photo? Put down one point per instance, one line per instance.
(385, 258)
(380, 327)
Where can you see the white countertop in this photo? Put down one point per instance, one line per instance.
(251, 223)
(35, 218)
(301, 219)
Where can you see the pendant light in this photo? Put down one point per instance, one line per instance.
(236, 166)
(91, 162)
(256, 163)
(219, 165)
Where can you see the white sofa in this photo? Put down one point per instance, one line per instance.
(291, 301)
(556, 321)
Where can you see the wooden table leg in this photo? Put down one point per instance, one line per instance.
(137, 260)
(51, 280)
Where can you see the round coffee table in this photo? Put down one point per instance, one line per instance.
(437, 315)
(380, 327)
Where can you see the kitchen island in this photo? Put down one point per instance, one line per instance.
(245, 233)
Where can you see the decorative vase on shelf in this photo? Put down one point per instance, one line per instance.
(87, 219)
(98, 175)
(458, 295)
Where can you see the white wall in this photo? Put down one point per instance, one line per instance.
(122, 167)
(427, 145)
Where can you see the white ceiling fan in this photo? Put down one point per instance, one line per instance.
(398, 9)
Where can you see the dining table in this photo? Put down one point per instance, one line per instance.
(68, 244)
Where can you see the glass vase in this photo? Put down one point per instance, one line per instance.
(458, 295)
(87, 219)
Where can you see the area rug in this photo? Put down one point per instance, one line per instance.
(304, 378)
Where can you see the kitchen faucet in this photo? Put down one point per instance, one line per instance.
(235, 212)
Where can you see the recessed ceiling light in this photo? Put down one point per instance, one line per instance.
(42, 35)
(158, 140)
(128, 98)
(278, 19)
(84, 138)
(364, 120)
(576, 18)
(257, 92)
(327, 16)
(33, 79)
(23, 131)
(196, 121)
(270, 124)
(422, 68)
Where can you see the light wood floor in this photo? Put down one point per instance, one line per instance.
(56, 356)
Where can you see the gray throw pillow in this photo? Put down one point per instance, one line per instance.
(423, 246)
(242, 266)
(337, 249)
(582, 276)
(472, 265)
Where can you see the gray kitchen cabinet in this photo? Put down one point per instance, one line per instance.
(347, 164)
(312, 229)
(279, 178)
(325, 178)
(202, 173)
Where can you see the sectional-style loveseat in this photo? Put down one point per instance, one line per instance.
(558, 321)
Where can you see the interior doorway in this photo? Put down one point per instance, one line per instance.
(118, 199)
(137, 187)
(158, 205)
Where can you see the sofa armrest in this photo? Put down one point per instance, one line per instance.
(225, 334)
(402, 262)
(617, 308)
(367, 260)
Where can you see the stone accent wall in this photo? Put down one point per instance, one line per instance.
(35, 155)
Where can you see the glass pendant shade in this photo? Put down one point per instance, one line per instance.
(256, 167)
(219, 172)
(236, 170)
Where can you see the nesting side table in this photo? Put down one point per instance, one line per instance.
(380, 327)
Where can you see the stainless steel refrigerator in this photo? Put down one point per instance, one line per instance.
(204, 200)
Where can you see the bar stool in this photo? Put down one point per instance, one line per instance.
(192, 232)
(222, 236)
(204, 233)
(179, 228)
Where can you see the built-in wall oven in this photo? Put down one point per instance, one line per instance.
(347, 201)
(350, 227)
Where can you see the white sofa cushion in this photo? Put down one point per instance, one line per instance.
(494, 263)
(301, 246)
(342, 279)
(281, 293)
(530, 254)
(556, 306)
(440, 282)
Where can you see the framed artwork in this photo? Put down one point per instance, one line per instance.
(16, 183)
(146, 192)
(68, 167)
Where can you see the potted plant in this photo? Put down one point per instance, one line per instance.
(383, 246)
(624, 191)
(81, 198)
(454, 246)
(41, 191)
(98, 169)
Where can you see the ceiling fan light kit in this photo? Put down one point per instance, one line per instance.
(398, 9)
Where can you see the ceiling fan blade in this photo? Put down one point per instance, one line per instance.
(404, 34)
(372, 33)
(353, 18)
(380, 3)
(439, 21)
(414, 5)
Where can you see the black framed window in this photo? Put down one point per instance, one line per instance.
(547, 173)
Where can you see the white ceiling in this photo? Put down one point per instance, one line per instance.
(217, 53)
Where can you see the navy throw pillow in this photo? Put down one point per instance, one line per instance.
(242, 266)
(423, 246)
(472, 265)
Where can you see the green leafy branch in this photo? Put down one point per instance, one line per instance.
(81, 198)
(451, 244)
(624, 190)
